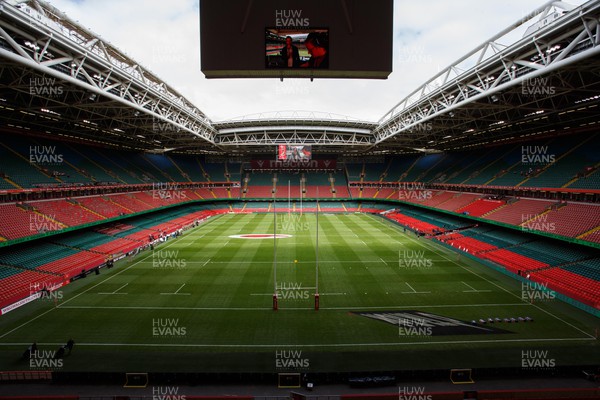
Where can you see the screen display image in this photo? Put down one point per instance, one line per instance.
(297, 48)
(294, 152)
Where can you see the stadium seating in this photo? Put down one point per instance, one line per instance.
(571, 220)
(480, 207)
(519, 211)
(413, 223)
(458, 201)
(102, 206)
(18, 222)
(65, 212)
(513, 262)
(130, 202)
(369, 193)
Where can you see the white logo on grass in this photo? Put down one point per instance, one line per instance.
(414, 327)
(413, 393)
(167, 393)
(45, 155)
(535, 291)
(413, 259)
(291, 360)
(168, 259)
(39, 223)
(168, 327)
(292, 223)
(292, 291)
(44, 359)
(536, 360)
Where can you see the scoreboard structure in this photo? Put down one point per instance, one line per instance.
(296, 38)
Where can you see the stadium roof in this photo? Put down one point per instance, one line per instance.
(60, 79)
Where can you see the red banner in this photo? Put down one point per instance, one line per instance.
(282, 152)
(293, 165)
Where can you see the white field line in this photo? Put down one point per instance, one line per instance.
(250, 346)
(436, 251)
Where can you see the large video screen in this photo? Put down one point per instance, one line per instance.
(294, 152)
(329, 39)
(297, 48)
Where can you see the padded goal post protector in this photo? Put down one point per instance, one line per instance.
(461, 376)
(136, 380)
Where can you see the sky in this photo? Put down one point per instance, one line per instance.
(429, 35)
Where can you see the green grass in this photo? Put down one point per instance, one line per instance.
(223, 305)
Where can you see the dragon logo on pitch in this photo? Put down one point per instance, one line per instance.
(291, 360)
(413, 259)
(416, 327)
(413, 393)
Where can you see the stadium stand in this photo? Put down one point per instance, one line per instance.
(67, 212)
(519, 211)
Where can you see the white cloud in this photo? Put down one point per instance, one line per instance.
(163, 36)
